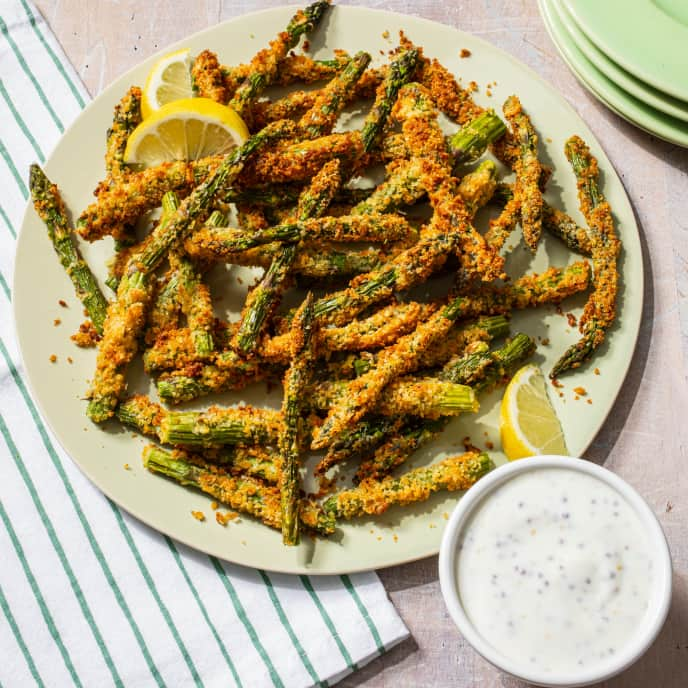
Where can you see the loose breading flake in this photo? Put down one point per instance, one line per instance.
(198, 515)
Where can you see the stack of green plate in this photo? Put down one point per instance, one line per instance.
(630, 54)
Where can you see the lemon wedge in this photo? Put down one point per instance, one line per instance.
(168, 80)
(528, 423)
(186, 129)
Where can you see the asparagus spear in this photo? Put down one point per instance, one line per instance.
(122, 206)
(208, 79)
(265, 64)
(51, 209)
(164, 314)
(323, 114)
(244, 493)
(600, 310)
(379, 330)
(141, 414)
(295, 382)
(407, 396)
(363, 438)
(295, 103)
(372, 497)
(477, 367)
(455, 102)
(374, 228)
(194, 297)
(126, 118)
(217, 426)
(449, 229)
(556, 222)
(528, 171)
(124, 324)
(399, 73)
(398, 359)
(261, 302)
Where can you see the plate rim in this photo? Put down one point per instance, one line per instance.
(629, 62)
(587, 73)
(634, 86)
(402, 559)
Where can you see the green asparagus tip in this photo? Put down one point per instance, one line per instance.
(99, 411)
(577, 353)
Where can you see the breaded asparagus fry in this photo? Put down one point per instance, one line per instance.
(145, 416)
(363, 438)
(422, 397)
(125, 203)
(164, 314)
(296, 380)
(600, 310)
(379, 330)
(373, 497)
(218, 426)
(262, 300)
(126, 118)
(296, 103)
(477, 367)
(244, 493)
(400, 71)
(125, 322)
(265, 64)
(208, 79)
(345, 228)
(400, 358)
(528, 171)
(325, 110)
(556, 222)
(51, 209)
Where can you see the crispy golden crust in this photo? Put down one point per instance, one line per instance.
(125, 203)
(423, 136)
(528, 172)
(208, 79)
(375, 497)
(127, 116)
(381, 329)
(454, 101)
(452, 216)
(302, 160)
(604, 244)
(126, 319)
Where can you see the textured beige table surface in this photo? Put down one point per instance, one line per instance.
(645, 438)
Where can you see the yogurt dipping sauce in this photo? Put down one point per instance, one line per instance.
(554, 570)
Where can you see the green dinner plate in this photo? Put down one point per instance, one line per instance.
(402, 534)
(625, 105)
(637, 88)
(648, 38)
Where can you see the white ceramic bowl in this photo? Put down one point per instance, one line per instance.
(660, 596)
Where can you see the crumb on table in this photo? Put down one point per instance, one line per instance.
(465, 52)
(53, 358)
(198, 515)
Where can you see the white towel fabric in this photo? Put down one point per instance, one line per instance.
(88, 595)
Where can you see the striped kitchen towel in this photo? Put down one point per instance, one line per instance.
(88, 595)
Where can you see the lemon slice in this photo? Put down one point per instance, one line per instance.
(528, 424)
(168, 80)
(186, 129)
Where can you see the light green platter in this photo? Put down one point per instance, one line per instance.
(401, 535)
(635, 87)
(625, 105)
(648, 38)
